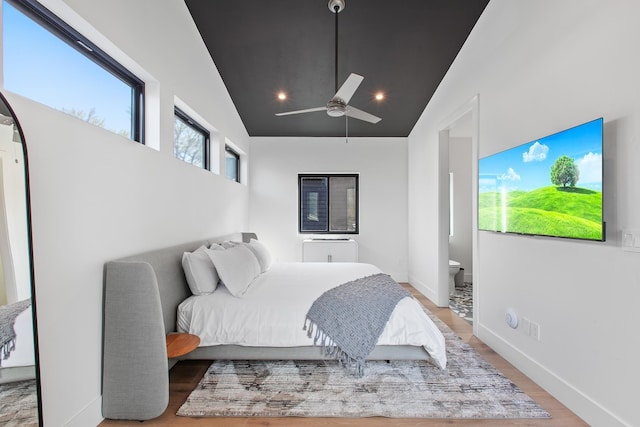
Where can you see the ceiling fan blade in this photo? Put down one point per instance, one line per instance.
(308, 110)
(361, 115)
(349, 87)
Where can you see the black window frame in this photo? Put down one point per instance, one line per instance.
(73, 38)
(198, 128)
(234, 154)
(328, 177)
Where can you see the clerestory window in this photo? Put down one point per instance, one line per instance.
(46, 60)
(232, 164)
(191, 140)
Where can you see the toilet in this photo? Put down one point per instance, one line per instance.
(454, 267)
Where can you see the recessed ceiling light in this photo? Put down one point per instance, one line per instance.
(282, 96)
(379, 96)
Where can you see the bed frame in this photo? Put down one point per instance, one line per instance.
(141, 297)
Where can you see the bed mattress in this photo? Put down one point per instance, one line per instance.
(272, 312)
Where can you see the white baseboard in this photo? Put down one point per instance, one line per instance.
(91, 415)
(423, 289)
(578, 402)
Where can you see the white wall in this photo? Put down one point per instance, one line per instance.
(97, 196)
(539, 67)
(460, 243)
(382, 165)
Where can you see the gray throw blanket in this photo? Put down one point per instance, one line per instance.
(349, 319)
(8, 315)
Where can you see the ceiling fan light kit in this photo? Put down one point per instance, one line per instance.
(338, 105)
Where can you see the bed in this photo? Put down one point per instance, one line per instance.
(272, 311)
(21, 353)
(16, 335)
(141, 300)
(17, 359)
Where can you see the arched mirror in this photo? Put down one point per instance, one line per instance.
(19, 374)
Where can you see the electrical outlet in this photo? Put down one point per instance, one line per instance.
(534, 331)
(526, 326)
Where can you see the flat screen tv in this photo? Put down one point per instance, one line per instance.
(548, 187)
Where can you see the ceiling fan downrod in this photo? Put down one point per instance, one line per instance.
(338, 104)
(336, 6)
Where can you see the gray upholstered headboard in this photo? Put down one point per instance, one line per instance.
(167, 265)
(141, 295)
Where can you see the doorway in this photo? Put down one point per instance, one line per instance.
(458, 139)
(460, 226)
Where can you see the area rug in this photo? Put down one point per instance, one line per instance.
(18, 404)
(470, 387)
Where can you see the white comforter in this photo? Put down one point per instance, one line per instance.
(272, 312)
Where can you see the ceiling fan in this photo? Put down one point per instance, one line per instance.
(338, 106)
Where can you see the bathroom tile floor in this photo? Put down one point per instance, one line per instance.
(461, 302)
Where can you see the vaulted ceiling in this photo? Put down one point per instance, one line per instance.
(403, 48)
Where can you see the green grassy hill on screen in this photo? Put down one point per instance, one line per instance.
(549, 211)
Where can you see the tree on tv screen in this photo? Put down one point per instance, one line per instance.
(565, 172)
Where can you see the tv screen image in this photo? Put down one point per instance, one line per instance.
(548, 187)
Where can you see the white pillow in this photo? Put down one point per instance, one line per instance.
(199, 271)
(229, 244)
(237, 267)
(262, 254)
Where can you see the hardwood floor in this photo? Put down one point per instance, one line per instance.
(186, 375)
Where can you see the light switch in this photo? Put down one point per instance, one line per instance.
(631, 240)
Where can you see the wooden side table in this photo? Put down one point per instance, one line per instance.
(179, 344)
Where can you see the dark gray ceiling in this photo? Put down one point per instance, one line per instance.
(401, 47)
